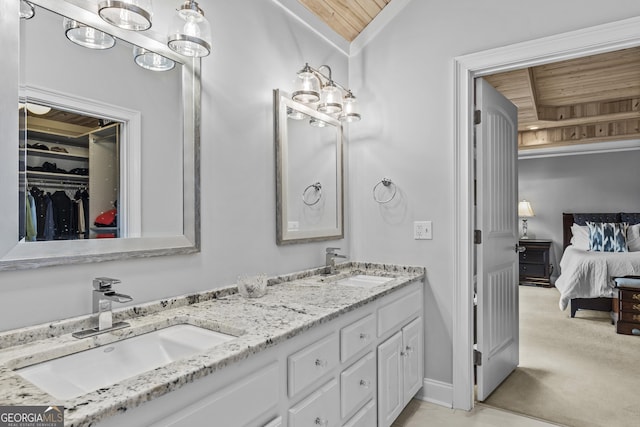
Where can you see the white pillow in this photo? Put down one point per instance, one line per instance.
(633, 238)
(580, 237)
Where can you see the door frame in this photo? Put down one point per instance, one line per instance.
(590, 41)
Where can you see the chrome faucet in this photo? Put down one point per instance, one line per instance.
(103, 296)
(330, 260)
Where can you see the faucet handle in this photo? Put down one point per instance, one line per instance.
(104, 283)
(332, 250)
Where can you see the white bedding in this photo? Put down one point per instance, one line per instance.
(586, 274)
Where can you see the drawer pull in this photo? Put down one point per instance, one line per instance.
(364, 336)
(636, 307)
(365, 383)
(322, 421)
(321, 363)
(407, 351)
(636, 297)
(635, 331)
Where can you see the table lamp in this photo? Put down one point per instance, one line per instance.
(525, 211)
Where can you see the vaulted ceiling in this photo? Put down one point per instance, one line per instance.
(346, 17)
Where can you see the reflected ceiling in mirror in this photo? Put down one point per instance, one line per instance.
(309, 196)
(155, 148)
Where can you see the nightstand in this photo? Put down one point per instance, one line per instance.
(535, 268)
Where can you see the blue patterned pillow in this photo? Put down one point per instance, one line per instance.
(608, 236)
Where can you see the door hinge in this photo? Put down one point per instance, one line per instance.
(477, 358)
(477, 117)
(477, 236)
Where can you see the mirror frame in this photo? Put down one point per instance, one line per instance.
(282, 101)
(16, 255)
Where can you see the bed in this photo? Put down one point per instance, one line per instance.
(586, 279)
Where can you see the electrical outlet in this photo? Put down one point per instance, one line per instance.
(422, 230)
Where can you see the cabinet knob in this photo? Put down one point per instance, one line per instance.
(365, 383)
(364, 336)
(322, 421)
(321, 363)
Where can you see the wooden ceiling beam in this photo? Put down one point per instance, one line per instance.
(533, 91)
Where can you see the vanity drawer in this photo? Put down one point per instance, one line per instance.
(357, 384)
(312, 363)
(319, 409)
(396, 313)
(366, 417)
(356, 336)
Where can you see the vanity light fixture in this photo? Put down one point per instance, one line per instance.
(190, 32)
(151, 61)
(333, 99)
(126, 14)
(87, 36)
(295, 114)
(26, 10)
(317, 123)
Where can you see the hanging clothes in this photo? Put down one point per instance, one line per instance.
(49, 228)
(30, 219)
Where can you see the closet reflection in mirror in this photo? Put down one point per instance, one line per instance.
(69, 174)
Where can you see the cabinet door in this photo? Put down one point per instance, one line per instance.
(390, 380)
(412, 358)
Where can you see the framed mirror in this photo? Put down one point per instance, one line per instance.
(309, 173)
(140, 163)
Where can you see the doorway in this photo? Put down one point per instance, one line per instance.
(591, 41)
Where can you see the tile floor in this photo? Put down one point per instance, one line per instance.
(423, 414)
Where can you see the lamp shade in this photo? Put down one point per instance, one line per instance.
(26, 10)
(127, 14)
(151, 60)
(87, 36)
(330, 99)
(525, 210)
(190, 32)
(350, 111)
(307, 89)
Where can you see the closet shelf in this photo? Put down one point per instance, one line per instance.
(36, 175)
(55, 154)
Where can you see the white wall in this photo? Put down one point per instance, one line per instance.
(257, 47)
(404, 82)
(587, 183)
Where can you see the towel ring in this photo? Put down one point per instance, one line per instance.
(387, 183)
(318, 190)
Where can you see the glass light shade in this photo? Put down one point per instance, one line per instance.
(151, 60)
(26, 10)
(87, 36)
(330, 99)
(190, 32)
(295, 114)
(350, 111)
(525, 210)
(317, 123)
(127, 14)
(307, 90)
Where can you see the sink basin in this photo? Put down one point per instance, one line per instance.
(364, 281)
(80, 373)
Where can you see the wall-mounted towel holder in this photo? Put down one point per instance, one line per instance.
(386, 183)
(310, 198)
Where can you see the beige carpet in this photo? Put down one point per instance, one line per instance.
(576, 372)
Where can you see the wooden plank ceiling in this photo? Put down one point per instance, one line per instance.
(589, 99)
(346, 17)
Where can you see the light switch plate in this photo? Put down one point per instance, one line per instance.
(422, 230)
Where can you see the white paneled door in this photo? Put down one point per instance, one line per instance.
(496, 218)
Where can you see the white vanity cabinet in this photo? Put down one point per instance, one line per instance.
(400, 357)
(358, 369)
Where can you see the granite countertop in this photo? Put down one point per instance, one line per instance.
(293, 304)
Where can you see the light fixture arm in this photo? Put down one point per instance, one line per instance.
(323, 77)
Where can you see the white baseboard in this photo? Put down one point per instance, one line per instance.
(437, 392)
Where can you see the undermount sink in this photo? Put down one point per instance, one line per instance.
(80, 373)
(364, 281)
